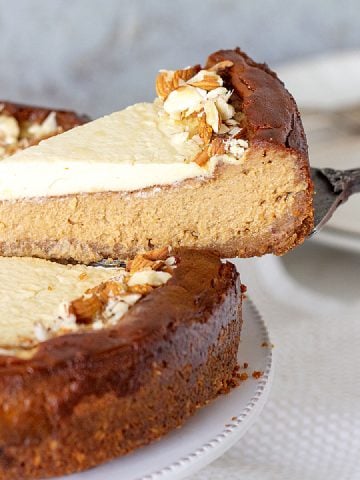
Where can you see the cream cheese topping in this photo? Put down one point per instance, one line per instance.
(32, 292)
(183, 134)
(125, 151)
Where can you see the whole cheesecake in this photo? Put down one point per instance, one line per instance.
(95, 361)
(218, 161)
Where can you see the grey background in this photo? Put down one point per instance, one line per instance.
(97, 56)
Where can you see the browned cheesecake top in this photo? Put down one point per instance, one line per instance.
(270, 111)
(199, 283)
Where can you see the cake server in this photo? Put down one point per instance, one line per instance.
(331, 189)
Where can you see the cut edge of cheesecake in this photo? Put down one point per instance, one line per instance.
(260, 204)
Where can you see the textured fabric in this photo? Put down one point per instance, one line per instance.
(310, 427)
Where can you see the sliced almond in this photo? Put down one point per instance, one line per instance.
(183, 101)
(85, 309)
(224, 108)
(167, 81)
(205, 130)
(139, 263)
(212, 115)
(208, 82)
(202, 158)
(157, 254)
(9, 130)
(216, 147)
(218, 67)
(141, 289)
(148, 277)
(109, 289)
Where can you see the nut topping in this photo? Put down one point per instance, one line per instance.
(168, 80)
(220, 66)
(206, 80)
(105, 304)
(201, 103)
(205, 130)
(16, 136)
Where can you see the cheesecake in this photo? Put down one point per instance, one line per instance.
(98, 361)
(218, 161)
(22, 126)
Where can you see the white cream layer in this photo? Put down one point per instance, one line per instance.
(32, 290)
(132, 149)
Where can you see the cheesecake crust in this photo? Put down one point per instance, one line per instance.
(83, 399)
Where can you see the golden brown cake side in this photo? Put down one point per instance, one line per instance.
(83, 399)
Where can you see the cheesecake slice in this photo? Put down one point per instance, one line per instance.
(219, 160)
(95, 362)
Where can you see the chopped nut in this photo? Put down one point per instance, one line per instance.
(206, 80)
(212, 115)
(170, 261)
(221, 66)
(223, 129)
(108, 289)
(46, 129)
(131, 298)
(40, 332)
(85, 309)
(183, 102)
(236, 146)
(157, 254)
(216, 147)
(225, 110)
(205, 130)
(202, 158)
(168, 81)
(141, 289)
(9, 130)
(115, 309)
(149, 277)
(139, 263)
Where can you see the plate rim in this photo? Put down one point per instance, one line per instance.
(232, 428)
(338, 238)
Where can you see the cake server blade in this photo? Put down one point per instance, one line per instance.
(331, 189)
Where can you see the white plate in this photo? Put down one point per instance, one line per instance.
(330, 82)
(214, 428)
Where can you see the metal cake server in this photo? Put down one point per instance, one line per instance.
(332, 188)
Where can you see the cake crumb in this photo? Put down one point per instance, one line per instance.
(257, 374)
(245, 365)
(243, 376)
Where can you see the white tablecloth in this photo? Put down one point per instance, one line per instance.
(310, 427)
